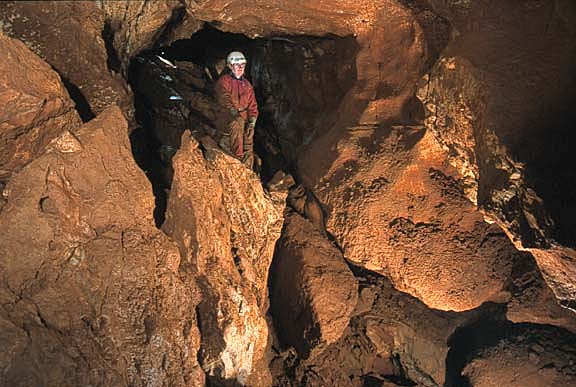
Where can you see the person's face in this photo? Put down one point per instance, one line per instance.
(238, 69)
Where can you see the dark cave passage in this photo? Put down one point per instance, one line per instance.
(298, 81)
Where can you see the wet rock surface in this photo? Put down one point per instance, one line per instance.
(35, 106)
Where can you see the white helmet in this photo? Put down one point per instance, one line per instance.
(235, 57)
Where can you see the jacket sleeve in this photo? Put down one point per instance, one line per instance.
(252, 105)
(222, 92)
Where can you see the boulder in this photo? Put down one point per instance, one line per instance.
(312, 290)
(397, 208)
(392, 339)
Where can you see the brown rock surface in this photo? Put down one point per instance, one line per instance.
(312, 290)
(90, 292)
(136, 25)
(392, 338)
(532, 300)
(35, 106)
(397, 209)
(68, 35)
(522, 355)
(500, 101)
(226, 227)
(90, 289)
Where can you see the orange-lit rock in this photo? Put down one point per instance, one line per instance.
(68, 35)
(500, 101)
(90, 288)
(397, 210)
(226, 227)
(35, 106)
(392, 336)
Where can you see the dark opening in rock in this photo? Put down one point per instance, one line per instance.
(299, 82)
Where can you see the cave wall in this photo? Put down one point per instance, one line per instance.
(90, 290)
(413, 202)
(35, 107)
(499, 100)
(68, 36)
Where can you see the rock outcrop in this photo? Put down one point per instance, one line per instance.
(35, 106)
(69, 36)
(226, 227)
(499, 100)
(90, 290)
(312, 290)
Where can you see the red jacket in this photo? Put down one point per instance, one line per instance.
(237, 94)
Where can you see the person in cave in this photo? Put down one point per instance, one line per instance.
(236, 95)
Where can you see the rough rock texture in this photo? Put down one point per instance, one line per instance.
(532, 300)
(503, 87)
(500, 101)
(397, 208)
(136, 25)
(90, 292)
(523, 355)
(392, 338)
(298, 106)
(226, 227)
(312, 290)
(68, 35)
(35, 106)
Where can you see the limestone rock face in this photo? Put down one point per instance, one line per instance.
(391, 337)
(398, 210)
(90, 290)
(226, 227)
(500, 100)
(35, 106)
(524, 355)
(313, 291)
(68, 35)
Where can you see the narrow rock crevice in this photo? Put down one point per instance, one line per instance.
(81, 103)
